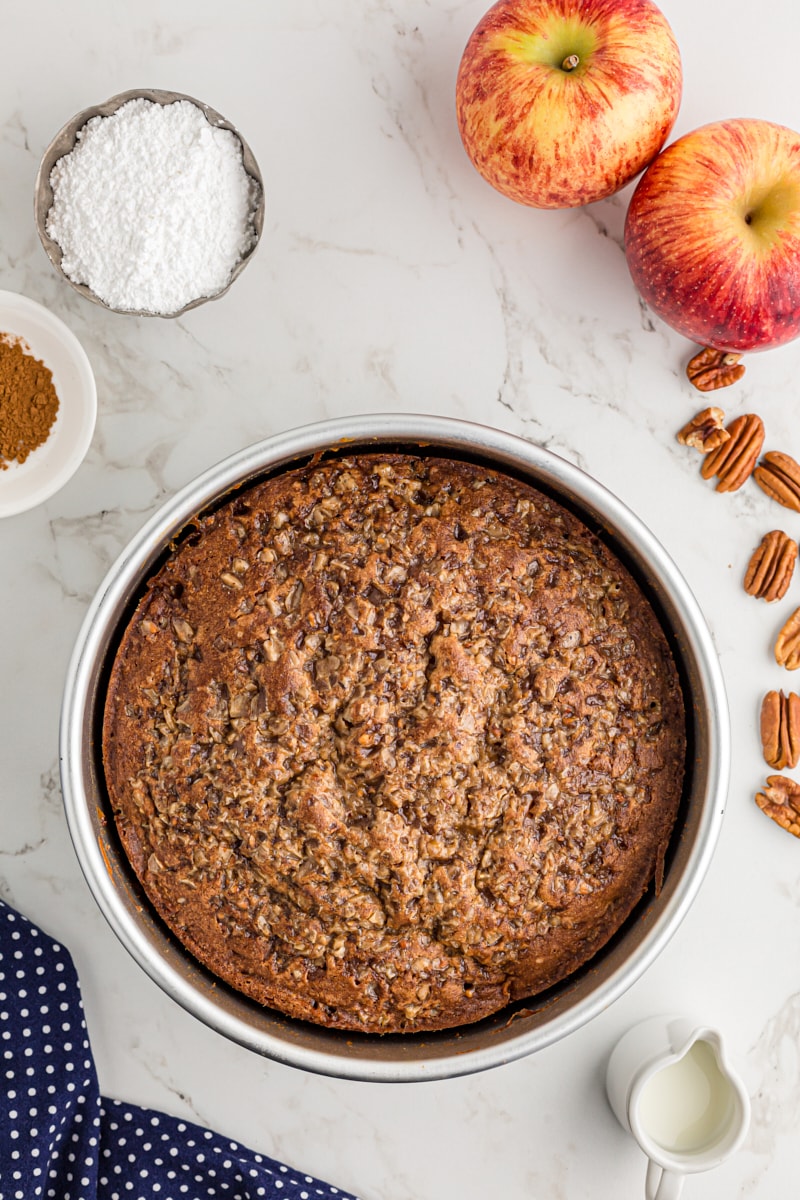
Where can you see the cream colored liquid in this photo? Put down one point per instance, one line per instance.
(687, 1106)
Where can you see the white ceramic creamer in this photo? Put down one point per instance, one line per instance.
(671, 1085)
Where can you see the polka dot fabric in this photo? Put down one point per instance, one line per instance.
(61, 1140)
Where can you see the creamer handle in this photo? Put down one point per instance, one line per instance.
(660, 1184)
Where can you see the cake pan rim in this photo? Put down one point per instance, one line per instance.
(429, 433)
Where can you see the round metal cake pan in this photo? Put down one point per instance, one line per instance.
(524, 1027)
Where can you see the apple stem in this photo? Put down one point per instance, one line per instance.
(570, 62)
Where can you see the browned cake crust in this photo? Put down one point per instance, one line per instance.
(392, 742)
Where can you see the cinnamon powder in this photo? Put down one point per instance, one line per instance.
(28, 401)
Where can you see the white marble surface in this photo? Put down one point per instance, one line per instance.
(391, 278)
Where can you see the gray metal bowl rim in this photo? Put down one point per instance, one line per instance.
(64, 142)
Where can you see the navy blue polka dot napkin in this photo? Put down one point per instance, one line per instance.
(60, 1139)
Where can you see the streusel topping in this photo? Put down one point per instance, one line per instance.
(392, 741)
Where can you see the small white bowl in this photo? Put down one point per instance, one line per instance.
(49, 466)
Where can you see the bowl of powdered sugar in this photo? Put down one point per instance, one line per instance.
(149, 204)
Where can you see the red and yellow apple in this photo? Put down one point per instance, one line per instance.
(712, 235)
(563, 102)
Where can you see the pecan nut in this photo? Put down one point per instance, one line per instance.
(780, 729)
(712, 369)
(771, 566)
(787, 643)
(734, 460)
(780, 800)
(779, 476)
(705, 431)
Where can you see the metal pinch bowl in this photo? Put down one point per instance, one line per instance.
(65, 141)
(522, 1027)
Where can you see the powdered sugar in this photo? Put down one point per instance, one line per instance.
(153, 207)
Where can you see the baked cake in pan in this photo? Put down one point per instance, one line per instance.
(392, 741)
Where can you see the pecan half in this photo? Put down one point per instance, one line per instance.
(787, 643)
(733, 461)
(780, 729)
(779, 476)
(712, 369)
(780, 800)
(771, 566)
(705, 431)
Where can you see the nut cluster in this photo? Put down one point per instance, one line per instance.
(787, 643)
(779, 476)
(771, 567)
(780, 729)
(731, 456)
(780, 800)
(712, 369)
(733, 461)
(706, 431)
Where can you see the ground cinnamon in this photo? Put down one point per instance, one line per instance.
(28, 401)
